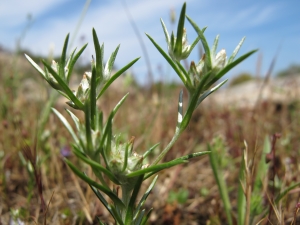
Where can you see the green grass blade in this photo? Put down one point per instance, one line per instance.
(221, 183)
(286, 191)
(241, 200)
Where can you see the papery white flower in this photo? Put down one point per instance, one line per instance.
(55, 66)
(84, 83)
(220, 60)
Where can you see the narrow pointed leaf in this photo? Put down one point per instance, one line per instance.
(64, 94)
(178, 45)
(99, 56)
(193, 45)
(98, 166)
(145, 196)
(64, 86)
(99, 221)
(115, 110)
(165, 32)
(204, 42)
(62, 62)
(229, 67)
(130, 208)
(103, 139)
(75, 119)
(150, 150)
(286, 191)
(208, 92)
(36, 66)
(73, 61)
(159, 167)
(169, 60)
(125, 158)
(139, 218)
(215, 45)
(93, 98)
(91, 182)
(145, 219)
(236, 50)
(88, 129)
(115, 76)
(67, 125)
(111, 61)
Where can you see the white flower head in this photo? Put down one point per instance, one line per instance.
(220, 60)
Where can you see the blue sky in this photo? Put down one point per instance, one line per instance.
(272, 26)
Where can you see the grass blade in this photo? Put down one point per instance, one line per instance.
(221, 183)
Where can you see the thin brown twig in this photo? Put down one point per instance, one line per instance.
(45, 215)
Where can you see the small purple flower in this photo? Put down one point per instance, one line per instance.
(65, 151)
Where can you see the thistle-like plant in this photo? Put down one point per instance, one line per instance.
(95, 143)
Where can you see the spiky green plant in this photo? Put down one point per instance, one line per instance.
(94, 142)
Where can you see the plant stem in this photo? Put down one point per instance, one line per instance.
(178, 131)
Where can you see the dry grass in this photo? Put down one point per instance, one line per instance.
(150, 116)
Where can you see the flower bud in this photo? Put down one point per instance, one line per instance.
(220, 60)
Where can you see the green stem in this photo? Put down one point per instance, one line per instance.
(125, 199)
(169, 146)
